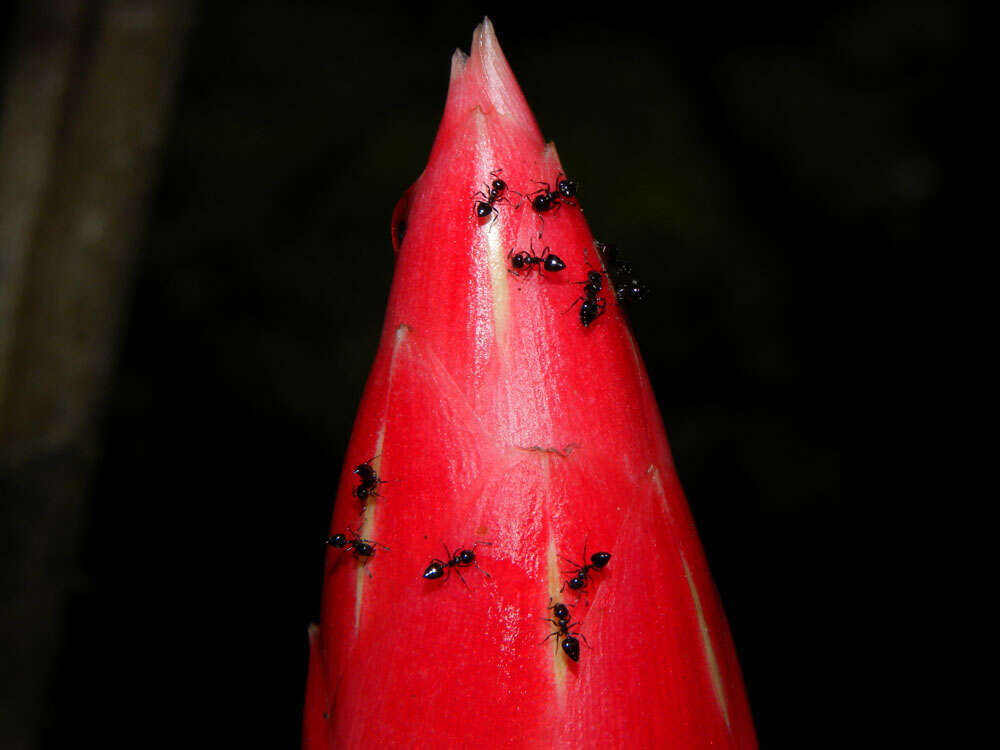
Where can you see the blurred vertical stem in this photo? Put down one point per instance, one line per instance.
(86, 99)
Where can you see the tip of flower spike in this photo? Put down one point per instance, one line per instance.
(484, 80)
(458, 60)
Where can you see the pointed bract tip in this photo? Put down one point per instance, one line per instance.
(486, 48)
(484, 35)
(458, 60)
(491, 84)
(551, 156)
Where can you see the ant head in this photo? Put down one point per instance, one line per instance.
(600, 559)
(576, 582)
(499, 185)
(466, 557)
(337, 540)
(434, 570)
(566, 186)
(561, 612)
(364, 549)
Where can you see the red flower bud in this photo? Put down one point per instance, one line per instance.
(495, 422)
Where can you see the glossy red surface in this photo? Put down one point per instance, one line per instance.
(497, 417)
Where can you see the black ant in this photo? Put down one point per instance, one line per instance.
(362, 549)
(368, 482)
(462, 558)
(627, 288)
(581, 573)
(547, 261)
(496, 190)
(593, 306)
(615, 265)
(546, 199)
(631, 290)
(564, 636)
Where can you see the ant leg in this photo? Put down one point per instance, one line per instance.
(578, 299)
(363, 562)
(541, 219)
(584, 639)
(576, 566)
(462, 578)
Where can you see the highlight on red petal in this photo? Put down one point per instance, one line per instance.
(509, 444)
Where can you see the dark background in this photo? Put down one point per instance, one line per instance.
(789, 181)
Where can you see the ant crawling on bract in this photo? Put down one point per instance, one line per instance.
(362, 549)
(462, 558)
(627, 287)
(547, 261)
(593, 306)
(563, 635)
(495, 193)
(546, 199)
(581, 573)
(368, 482)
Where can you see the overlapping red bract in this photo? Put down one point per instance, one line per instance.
(497, 417)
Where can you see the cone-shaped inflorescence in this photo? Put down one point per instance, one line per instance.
(543, 584)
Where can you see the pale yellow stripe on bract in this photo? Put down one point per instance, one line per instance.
(367, 529)
(558, 660)
(712, 662)
(496, 259)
